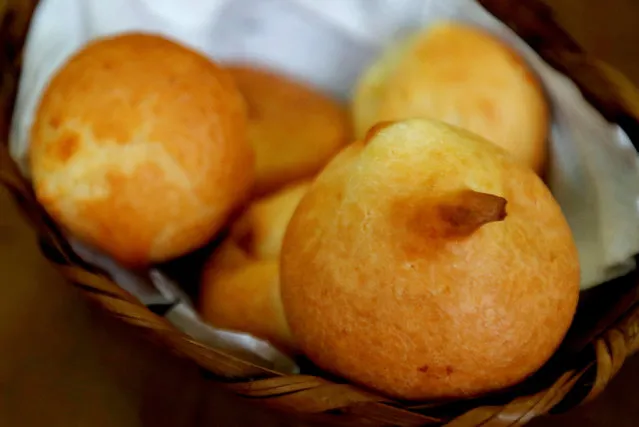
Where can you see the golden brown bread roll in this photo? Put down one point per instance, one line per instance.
(139, 148)
(240, 288)
(244, 296)
(425, 262)
(294, 129)
(465, 77)
(261, 227)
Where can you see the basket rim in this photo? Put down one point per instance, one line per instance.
(315, 395)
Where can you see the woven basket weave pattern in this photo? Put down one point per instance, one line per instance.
(601, 340)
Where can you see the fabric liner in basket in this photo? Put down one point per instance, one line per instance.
(603, 334)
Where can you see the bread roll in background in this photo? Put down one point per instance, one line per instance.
(245, 296)
(260, 228)
(139, 148)
(424, 262)
(294, 129)
(463, 76)
(240, 287)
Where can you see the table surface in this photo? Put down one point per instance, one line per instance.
(64, 364)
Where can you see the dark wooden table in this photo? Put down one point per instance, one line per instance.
(64, 364)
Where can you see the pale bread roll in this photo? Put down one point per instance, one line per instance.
(240, 288)
(424, 262)
(139, 148)
(294, 129)
(463, 76)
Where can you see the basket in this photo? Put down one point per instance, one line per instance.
(604, 332)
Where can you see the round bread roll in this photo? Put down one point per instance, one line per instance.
(260, 229)
(240, 288)
(465, 77)
(424, 262)
(139, 148)
(294, 129)
(243, 294)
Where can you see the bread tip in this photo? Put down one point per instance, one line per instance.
(469, 210)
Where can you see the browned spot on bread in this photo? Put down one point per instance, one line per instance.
(488, 109)
(125, 224)
(531, 79)
(55, 121)
(440, 372)
(468, 210)
(108, 65)
(112, 128)
(375, 129)
(66, 146)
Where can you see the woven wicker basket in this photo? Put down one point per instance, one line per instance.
(604, 332)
